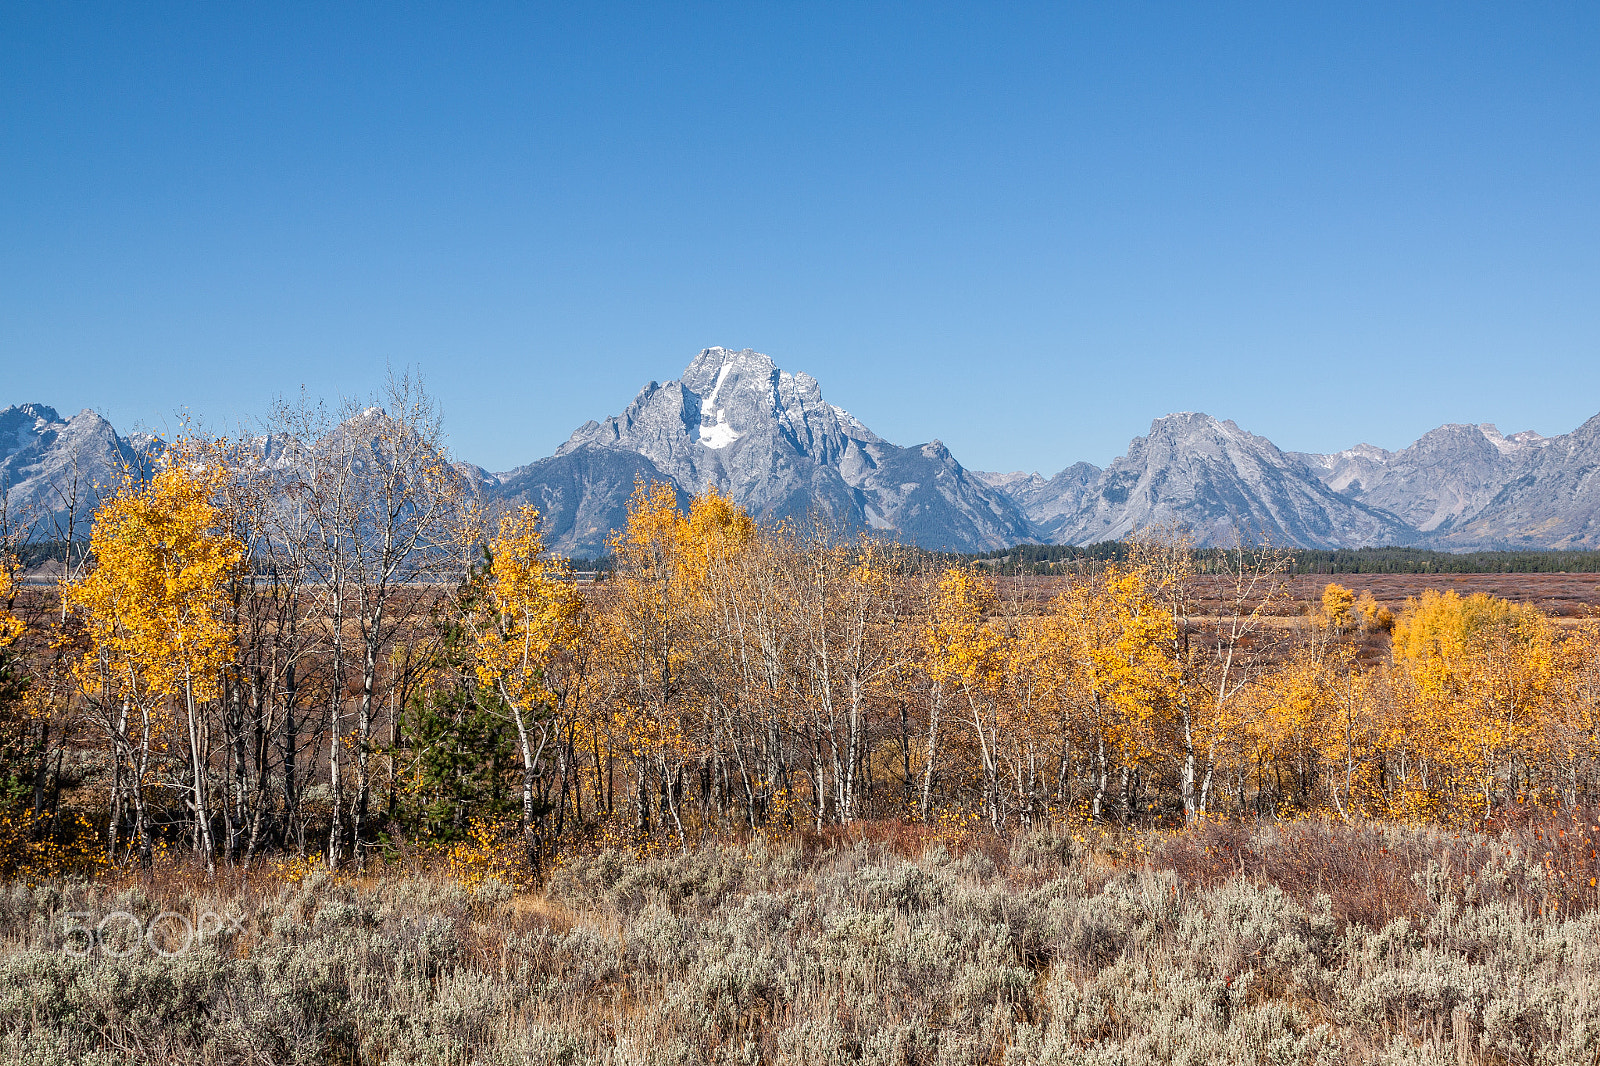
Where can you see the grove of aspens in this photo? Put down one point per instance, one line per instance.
(320, 687)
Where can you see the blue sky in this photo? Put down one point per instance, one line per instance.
(1025, 230)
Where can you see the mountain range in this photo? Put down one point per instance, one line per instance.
(53, 470)
(768, 439)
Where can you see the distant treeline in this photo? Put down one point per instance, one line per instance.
(1421, 561)
(1067, 558)
(1043, 558)
(1064, 558)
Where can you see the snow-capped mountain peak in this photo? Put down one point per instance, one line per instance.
(736, 421)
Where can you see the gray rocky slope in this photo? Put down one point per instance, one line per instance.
(54, 468)
(1472, 487)
(765, 437)
(1449, 473)
(1458, 487)
(1210, 476)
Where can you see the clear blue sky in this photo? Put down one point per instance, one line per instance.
(1025, 230)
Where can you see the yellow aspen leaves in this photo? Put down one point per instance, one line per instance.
(530, 611)
(1472, 672)
(961, 648)
(1338, 606)
(11, 626)
(155, 601)
(1374, 617)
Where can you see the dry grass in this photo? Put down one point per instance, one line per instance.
(1563, 596)
(883, 943)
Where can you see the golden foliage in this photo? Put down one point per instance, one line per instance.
(155, 601)
(530, 611)
(1474, 673)
(1338, 606)
(28, 848)
(11, 627)
(962, 649)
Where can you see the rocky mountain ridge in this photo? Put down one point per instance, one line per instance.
(735, 421)
(54, 470)
(1212, 477)
(1458, 487)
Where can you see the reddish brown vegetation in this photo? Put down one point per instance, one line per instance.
(1541, 862)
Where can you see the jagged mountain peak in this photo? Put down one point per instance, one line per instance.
(726, 401)
(1048, 502)
(21, 425)
(1180, 420)
(717, 362)
(737, 421)
(28, 412)
(1509, 444)
(1221, 482)
(1454, 438)
(1542, 493)
(1191, 426)
(1012, 481)
(1437, 482)
(50, 465)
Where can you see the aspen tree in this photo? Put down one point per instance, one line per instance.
(1296, 708)
(1116, 638)
(156, 606)
(529, 612)
(1339, 606)
(645, 633)
(1571, 741)
(13, 683)
(1350, 738)
(963, 652)
(733, 596)
(11, 627)
(858, 620)
(1245, 583)
(264, 626)
(386, 512)
(1477, 669)
(846, 612)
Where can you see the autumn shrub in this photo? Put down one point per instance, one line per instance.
(1542, 862)
(45, 845)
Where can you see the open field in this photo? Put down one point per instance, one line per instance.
(1303, 942)
(1558, 595)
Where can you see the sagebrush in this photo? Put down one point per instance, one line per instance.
(1038, 950)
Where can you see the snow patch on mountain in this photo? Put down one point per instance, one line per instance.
(718, 434)
(765, 436)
